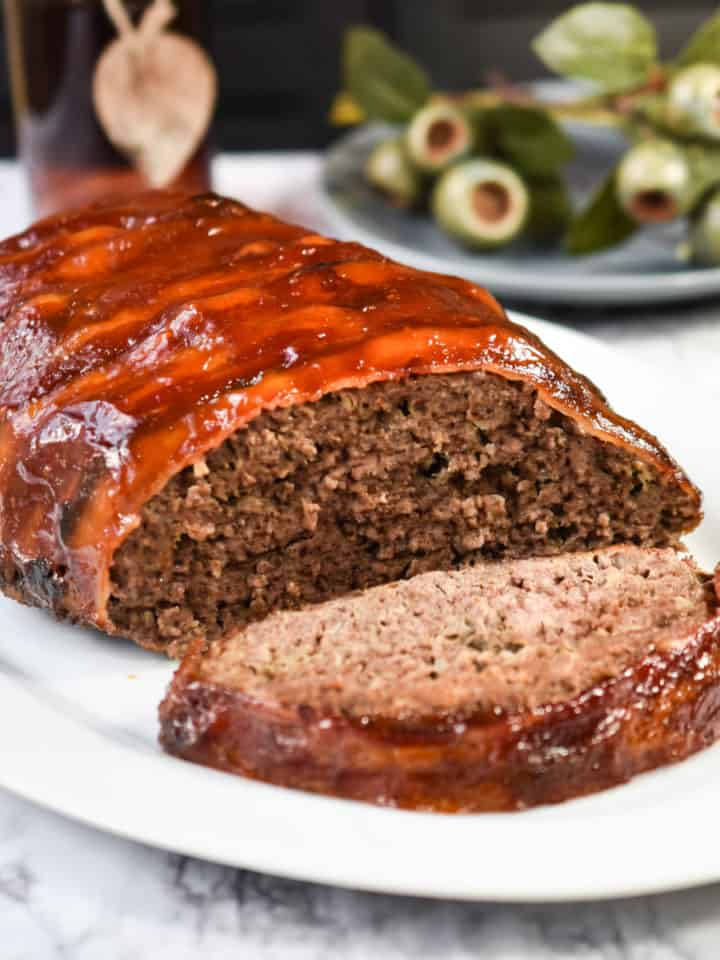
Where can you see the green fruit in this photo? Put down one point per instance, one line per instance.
(437, 136)
(654, 184)
(705, 232)
(482, 203)
(388, 168)
(693, 101)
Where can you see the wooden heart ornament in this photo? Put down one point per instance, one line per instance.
(154, 92)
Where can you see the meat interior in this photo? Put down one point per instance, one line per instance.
(373, 485)
(515, 635)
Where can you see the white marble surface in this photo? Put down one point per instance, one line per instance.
(72, 893)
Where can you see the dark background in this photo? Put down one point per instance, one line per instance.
(279, 59)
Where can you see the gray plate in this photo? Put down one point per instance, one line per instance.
(646, 269)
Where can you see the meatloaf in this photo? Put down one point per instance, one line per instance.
(208, 415)
(488, 688)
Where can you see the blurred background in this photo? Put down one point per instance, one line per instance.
(279, 59)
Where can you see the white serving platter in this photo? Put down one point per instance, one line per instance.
(78, 728)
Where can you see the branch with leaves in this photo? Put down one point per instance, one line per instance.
(490, 163)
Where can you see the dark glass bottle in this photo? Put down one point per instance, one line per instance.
(53, 47)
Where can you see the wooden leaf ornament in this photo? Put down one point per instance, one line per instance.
(154, 92)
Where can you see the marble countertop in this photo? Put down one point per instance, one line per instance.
(72, 893)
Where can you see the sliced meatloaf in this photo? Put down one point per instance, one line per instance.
(487, 688)
(207, 415)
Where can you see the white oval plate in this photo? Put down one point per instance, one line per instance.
(78, 734)
(645, 269)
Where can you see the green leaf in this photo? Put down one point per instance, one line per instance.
(550, 210)
(529, 139)
(384, 82)
(612, 44)
(602, 224)
(704, 164)
(480, 120)
(703, 46)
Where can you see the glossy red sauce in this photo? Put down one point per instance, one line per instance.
(138, 336)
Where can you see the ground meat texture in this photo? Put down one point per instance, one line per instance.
(373, 485)
(494, 687)
(514, 636)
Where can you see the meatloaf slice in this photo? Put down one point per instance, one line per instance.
(486, 688)
(369, 486)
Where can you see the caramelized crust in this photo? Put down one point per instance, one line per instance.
(658, 711)
(138, 337)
